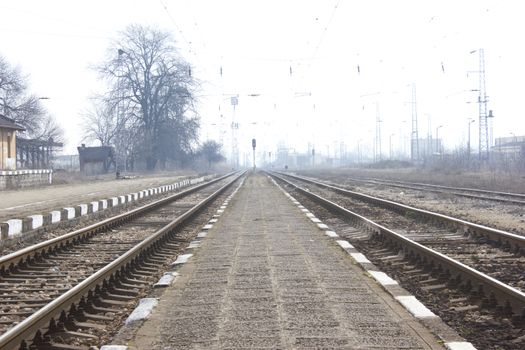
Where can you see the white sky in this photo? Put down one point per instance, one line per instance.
(394, 43)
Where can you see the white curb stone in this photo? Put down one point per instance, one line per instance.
(359, 257)
(457, 345)
(194, 244)
(415, 307)
(344, 244)
(70, 213)
(15, 227)
(166, 280)
(331, 234)
(38, 221)
(182, 259)
(382, 278)
(142, 311)
(94, 205)
(83, 209)
(55, 216)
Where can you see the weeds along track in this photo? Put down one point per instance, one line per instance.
(472, 281)
(127, 249)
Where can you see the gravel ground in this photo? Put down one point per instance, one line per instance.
(485, 328)
(506, 217)
(266, 277)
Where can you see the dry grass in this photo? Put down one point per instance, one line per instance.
(496, 181)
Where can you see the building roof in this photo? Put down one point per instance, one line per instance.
(8, 123)
(95, 154)
(36, 142)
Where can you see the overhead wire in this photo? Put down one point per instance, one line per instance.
(313, 58)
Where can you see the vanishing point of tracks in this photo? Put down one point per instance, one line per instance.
(61, 293)
(470, 275)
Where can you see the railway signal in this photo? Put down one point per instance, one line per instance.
(254, 142)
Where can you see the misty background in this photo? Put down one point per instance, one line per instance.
(306, 74)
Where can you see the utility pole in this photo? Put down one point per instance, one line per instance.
(414, 140)
(253, 146)
(234, 100)
(484, 136)
(391, 145)
(377, 155)
(359, 151)
(468, 143)
(438, 148)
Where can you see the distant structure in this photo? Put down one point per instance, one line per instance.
(10, 177)
(485, 137)
(511, 147)
(377, 144)
(96, 160)
(8, 129)
(414, 140)
(35, 153)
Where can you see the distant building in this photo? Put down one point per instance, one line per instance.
(512, 147)
(36, 153)
(8, 129)
(96, 160)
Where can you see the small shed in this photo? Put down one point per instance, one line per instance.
(96, 160)
(8, 129)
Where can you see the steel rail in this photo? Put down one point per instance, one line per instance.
(477, 190)
(26, 329)
(512, 240)
(507, 296)
(7, 262)
(443, 189)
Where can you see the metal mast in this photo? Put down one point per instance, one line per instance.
(378, 134)
(483, 115)
(414, 141)
(234, 100)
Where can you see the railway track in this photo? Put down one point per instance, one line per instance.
(63, 293)
(428, 253)
(472, 193)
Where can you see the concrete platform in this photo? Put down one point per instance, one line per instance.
(267, 277)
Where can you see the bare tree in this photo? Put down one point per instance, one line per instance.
(26, 109)
(100, 123)
(211, 152)
(151, 89)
